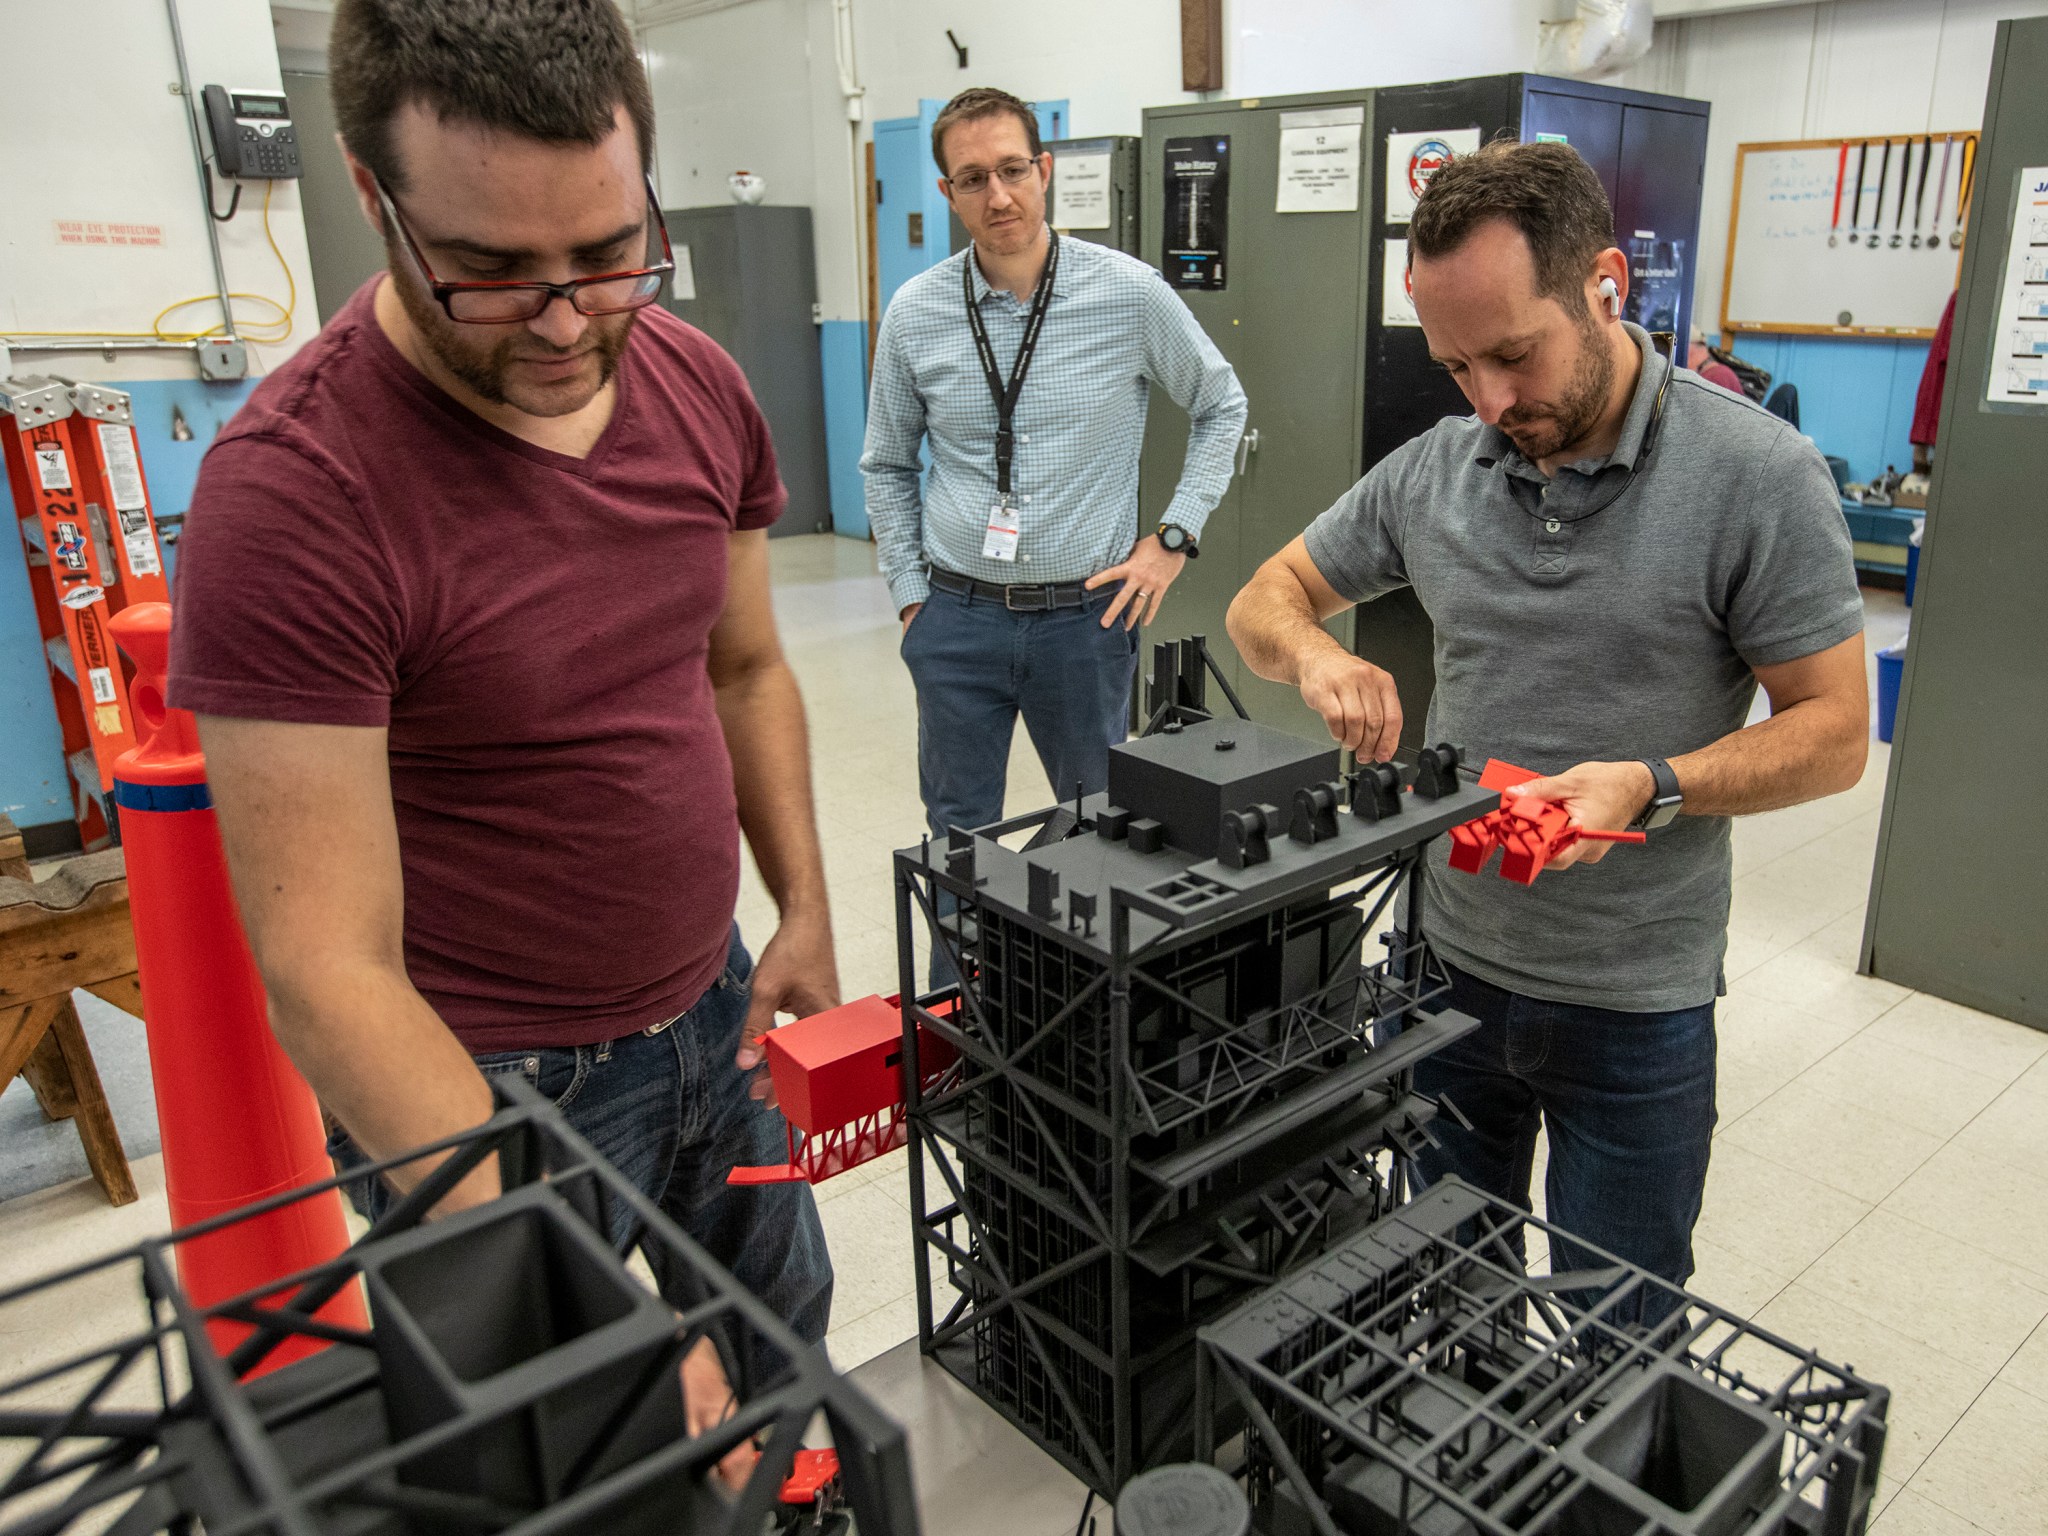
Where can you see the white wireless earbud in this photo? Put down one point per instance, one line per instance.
(1612, 295)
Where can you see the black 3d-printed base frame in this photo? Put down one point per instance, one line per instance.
(1167, 1094)
(1415, 1381)
(516, 1378)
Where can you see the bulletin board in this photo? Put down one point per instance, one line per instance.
(1847, 237)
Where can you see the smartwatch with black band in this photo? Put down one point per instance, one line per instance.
(1666, 799)
(1177, 541)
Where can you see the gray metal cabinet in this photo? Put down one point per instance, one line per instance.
(1290, 318)
(1959, 899)
(756, 293)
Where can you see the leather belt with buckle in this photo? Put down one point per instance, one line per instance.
(1043, 597)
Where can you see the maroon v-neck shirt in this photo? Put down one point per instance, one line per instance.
(532, 628)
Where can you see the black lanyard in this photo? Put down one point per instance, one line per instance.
(1006, 397)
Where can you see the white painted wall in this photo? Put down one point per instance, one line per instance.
(93, 132)
(756, 85)
(1842, 67)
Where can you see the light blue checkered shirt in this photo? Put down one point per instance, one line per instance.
(1111, 326)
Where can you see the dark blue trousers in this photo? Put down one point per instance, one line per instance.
(1627, 1099)
(977, 667)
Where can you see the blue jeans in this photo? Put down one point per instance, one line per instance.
(670, 1111)
(1627, 1098)
(977, 667)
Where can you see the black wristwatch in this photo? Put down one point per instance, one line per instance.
(1177, 541)
(1666, 799)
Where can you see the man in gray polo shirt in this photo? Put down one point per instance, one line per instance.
(1615, 555)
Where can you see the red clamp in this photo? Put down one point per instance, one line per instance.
(813, 1480)
(1529, 833)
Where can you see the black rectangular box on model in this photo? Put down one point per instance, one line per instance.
(1187, 778)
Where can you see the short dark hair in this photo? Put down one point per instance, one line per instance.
(554, 70)
(975, 103)
(1547, 191)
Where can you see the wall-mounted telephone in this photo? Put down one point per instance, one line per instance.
(252, 133)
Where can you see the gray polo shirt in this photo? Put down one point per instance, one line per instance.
(1567, 634)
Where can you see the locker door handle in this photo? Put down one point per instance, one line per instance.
(1246, 447)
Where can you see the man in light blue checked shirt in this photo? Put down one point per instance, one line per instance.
(1025, 598)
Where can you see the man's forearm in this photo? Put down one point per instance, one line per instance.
(762, 713)
(1813, 748)
(1274, 627)
(384, 1064)
(1213, 436)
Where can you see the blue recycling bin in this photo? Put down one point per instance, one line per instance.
(1891, 670)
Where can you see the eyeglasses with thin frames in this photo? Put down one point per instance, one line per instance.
(1011, 173)
(506, 302)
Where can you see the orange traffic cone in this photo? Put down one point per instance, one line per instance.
(239, 1124)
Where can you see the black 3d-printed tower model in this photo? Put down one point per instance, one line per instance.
(1414, 1381)
(1173, 1084)
(516, 1378)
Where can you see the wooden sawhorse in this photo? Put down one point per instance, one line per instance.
(68, 931)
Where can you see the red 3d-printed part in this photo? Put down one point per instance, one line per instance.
(815, 1472)
(838, 1076)
(1529, 833)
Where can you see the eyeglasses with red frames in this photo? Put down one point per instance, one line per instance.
(507, 302)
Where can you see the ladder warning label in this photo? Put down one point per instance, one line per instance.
(54, 469)
(124, 470)
(142, 556)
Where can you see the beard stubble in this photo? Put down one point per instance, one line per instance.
(1573, 416)
(485, 369)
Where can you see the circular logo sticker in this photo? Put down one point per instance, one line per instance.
(81, 597)
(1429, 157)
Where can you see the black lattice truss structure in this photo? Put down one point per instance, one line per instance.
(516, 1377)
(1177, 1078)
(1416, 1381)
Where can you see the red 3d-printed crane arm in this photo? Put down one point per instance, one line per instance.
(1529, 833)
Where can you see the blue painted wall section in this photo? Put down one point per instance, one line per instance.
(32, 785)
(1855, 396)
(844, 347)
(33, 788)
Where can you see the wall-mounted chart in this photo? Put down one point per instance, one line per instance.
(2019, 344)
(1847, 237)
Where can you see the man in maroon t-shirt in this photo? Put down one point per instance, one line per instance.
(1702, 361)
(473, 606)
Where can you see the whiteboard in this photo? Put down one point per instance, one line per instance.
(1782, 273)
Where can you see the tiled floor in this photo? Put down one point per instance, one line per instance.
(1879, 1187)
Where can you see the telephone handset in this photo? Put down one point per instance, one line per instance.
(252, 133)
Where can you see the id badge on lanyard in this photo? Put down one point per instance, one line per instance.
(999, 538)
(999, 541)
